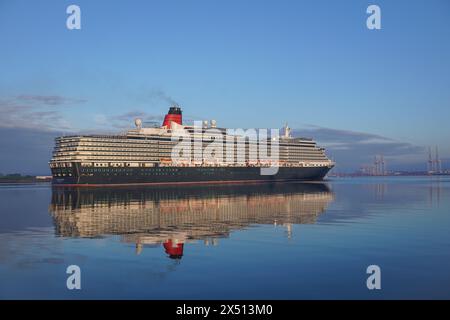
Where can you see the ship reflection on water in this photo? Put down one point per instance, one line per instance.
(174, 216)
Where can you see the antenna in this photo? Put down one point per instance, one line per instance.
(287, 131)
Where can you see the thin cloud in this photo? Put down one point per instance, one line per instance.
(51, 100)
(353, 149)
(337, 135)
(35, 111)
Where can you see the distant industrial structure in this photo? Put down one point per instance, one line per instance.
(434, 165)
(378, 168)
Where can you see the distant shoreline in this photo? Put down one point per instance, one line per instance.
(48, 179)
(25, 182)
(8, 179)
(350, 175)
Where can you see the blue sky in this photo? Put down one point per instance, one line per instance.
(245, 63)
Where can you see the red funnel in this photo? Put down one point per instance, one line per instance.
(174, 115)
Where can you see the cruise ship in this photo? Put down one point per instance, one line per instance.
(145, 155)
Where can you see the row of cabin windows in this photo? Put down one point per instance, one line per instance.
(155, 154)
(161, 138)
(128, 144)
(158, 170)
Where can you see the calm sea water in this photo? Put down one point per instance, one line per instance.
(283, 241)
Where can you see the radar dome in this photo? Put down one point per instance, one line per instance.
(138, 122)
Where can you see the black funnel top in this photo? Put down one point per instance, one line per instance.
(175, 110)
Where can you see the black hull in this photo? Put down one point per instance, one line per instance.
(89, 176)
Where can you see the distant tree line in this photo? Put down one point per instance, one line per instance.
(15, 176)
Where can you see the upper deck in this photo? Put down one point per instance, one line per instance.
(150, 146)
